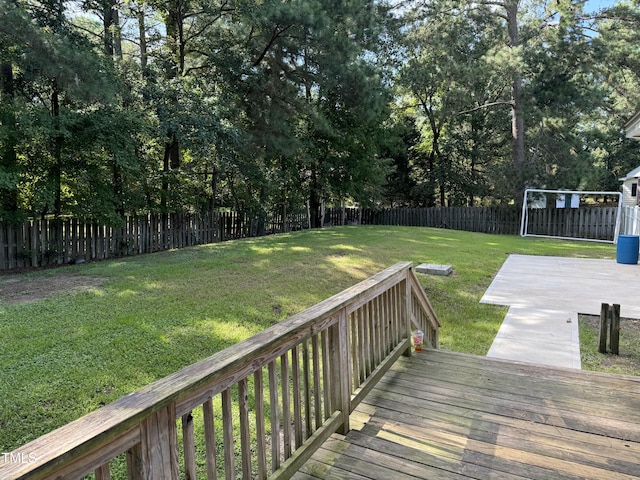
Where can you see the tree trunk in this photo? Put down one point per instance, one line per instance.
(175, 36)
(111, 29)
(117, 188)
(9, 159)
(285, 222)
(517, 119)
(113, 49)
(315, 202)
(56, 172)
(142, 29)
(214, 189)
(431, 199)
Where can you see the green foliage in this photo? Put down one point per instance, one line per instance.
(454, 74)
(579, 82)
(217, 107)
(167, 105)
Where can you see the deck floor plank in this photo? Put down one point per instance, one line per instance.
(453, 416)
(597, 419)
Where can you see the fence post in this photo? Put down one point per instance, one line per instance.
(340, 369)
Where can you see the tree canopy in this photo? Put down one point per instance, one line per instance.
(116, 107)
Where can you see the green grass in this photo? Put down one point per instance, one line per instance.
(67, 355)
(628, 360)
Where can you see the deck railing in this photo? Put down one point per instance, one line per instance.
(259, 408)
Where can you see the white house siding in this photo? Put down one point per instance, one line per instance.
(630, 221)
(627, 181)
(627, 199)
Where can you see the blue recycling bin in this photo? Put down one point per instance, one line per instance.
(627, 249)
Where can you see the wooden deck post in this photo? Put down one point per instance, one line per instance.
(158, 454)
(609, 322)
(340, 369)
(604, 317)
(614, 340)
(407, 313)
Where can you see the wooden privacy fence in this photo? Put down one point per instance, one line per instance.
(500, 220)
(593, 223)
(42, 243)
(584, 222)
(258, 409)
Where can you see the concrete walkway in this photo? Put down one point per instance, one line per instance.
(547, 337)
(545, 294)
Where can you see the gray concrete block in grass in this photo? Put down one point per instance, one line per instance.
(434, 269)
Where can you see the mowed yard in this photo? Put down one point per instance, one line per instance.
(75, 338)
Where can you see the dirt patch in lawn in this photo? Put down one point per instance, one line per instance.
(24, 288)
(628, 362)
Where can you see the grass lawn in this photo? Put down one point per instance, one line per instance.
(142, 318)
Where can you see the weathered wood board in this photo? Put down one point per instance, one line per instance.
(452, 416)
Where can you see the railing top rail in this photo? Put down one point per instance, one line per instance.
(225, 367)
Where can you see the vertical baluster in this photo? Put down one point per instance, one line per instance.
(396, 327)
(384, 317)
(297, 402)
(326, 374)
(189, 447)
(209, 440)
(354, 351)
(316, 381)
(102, 472)
(394, 315)
(306, 372)
(375, 321)
(361, 346)
(392, 319)
(245, 435)
(260, 433)
(275, 418)
(372, 335)
(227, 433)
(368, 335)
(401, 331)
(286, 404)
(381, 327)
(415, 312)
(134, 462)
(384, 324)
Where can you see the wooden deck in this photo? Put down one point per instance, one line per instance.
(442, 415)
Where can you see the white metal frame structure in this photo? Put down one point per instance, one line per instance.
(525, 214)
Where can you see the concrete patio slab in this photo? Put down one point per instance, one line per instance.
(545, 296)
(566, 284)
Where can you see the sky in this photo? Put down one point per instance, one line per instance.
(593, 5)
